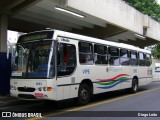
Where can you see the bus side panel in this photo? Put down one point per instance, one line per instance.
(74, 91)
(99, 73)
(149, 80)
(127, 80)
(60, 92)
(96, 90)
(145, 75)
(142, 74)
(66, 92)
(116, 75)
(92, 73)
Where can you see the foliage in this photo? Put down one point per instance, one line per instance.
(149, 7)
(156, 51)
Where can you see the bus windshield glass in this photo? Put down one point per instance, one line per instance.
(34, 60)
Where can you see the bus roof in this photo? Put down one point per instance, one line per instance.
(95, 40)
(100, 41)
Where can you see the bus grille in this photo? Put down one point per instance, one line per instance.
(26, 89)
(25, 96)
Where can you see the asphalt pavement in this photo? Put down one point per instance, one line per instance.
(7, 101)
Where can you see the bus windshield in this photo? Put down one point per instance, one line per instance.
(34, 60)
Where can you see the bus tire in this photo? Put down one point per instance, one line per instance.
(84, 94)
(134, 87)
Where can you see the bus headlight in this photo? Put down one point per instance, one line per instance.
(40, 89)
(45, 89)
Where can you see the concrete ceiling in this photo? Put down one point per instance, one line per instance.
(33, 15)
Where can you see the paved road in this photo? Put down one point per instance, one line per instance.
(115, 104)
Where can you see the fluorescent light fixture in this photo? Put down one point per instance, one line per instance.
(48, 28)
(140, 36)
(70, 12)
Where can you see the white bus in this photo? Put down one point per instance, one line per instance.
(58, 65)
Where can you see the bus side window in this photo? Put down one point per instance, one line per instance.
(113, 54)
(86, 53)
(147, 59)
(124, 57)
(66, 59)
(141, 59)
(133, 58)
(100, 54)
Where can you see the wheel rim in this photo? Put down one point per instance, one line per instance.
(135, 87)
(84, 94)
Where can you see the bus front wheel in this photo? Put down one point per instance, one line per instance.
(84, 94)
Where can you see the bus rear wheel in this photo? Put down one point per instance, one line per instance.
(84, 94)
(134, 87)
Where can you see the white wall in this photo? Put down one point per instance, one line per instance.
(154, 29)
(119, 13)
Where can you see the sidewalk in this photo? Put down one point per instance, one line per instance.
(7, 100)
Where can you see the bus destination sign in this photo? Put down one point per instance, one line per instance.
(36, 36)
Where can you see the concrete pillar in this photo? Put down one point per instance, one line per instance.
(5, 63)
(3, 32)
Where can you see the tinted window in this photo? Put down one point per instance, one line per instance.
(85, 47)
(113, 56)
(124, 57)
(113, 51)
(148, 59)
(124, 53)
(141, 56)
(66, 59)
(100, 54)
(100, 49)
(133, 55)
(133, 58)
(85, 53)
(141, 59)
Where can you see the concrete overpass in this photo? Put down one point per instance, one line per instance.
(106, 19)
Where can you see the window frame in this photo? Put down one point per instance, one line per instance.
(148, 60)
(75, 66)
(128, 56)
(96, 54)
(141, 62)
(86, 54)
(110, 56)
(134, 59)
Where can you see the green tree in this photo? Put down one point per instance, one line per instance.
(149, 7)
(156, 51)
